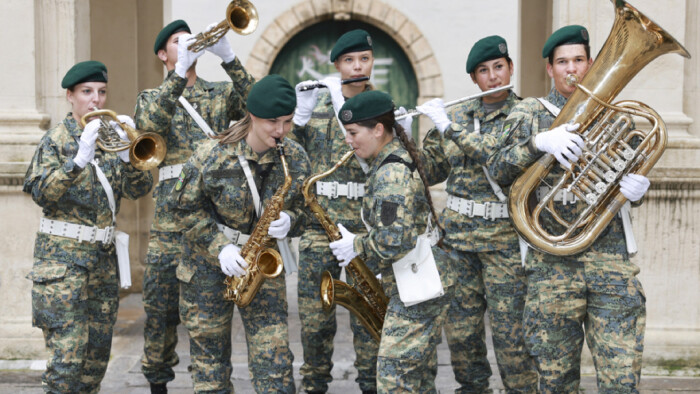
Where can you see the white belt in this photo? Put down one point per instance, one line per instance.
(169, 172)
(351, 190)
(488, 210)
(560, 196)
(235, 236)
(80, 232)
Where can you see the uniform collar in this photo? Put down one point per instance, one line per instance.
(479, 112)
(72, 125)
(242, 148)
(556, 98)
(387, 150)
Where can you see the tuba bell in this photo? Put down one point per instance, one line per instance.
(613, 147)
(241, 17)
(146, 150)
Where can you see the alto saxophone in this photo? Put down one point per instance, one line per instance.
(263, 261)
(367, 300)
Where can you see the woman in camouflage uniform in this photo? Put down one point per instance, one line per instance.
(214, 198)
(394, 208)
(76, 285)
(480, 237)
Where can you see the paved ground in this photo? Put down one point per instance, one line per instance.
(124, 376)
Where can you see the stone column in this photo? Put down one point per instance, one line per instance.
(52, 36)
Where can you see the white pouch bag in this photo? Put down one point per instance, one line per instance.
(417, 276)
(121, 243)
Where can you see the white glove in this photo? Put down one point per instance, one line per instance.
(306, 101)
(221, 48)
(123, 154)
(185, 57)
(562, 143)
(280, 227)
(406, 122)
(333, 85)
(343, 248)
(634, 186)
(231, 261)
(435, 110)
(86, 144)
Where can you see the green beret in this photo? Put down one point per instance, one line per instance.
(172, 28)
(88, 71)
(352, 41)
(488, 48)
(271, 97)
(573, 34)
(366, 105)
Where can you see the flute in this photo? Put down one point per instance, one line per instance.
(320, 84)
(414, 112)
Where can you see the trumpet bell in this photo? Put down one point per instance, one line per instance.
(242, 17)
(147, 151)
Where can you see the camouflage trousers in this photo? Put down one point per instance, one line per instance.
(407, 358)
(566, 295)
(318, 327)
(495, 279)
(76, 310)
(207, 317)
(161, 294)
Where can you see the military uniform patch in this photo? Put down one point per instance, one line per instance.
(180, 181)
(389, 210)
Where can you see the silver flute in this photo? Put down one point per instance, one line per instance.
(320, 84)
(414, 112)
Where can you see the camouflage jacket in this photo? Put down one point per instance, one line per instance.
(517, 152)
(396, 211)
(213, 188)
(158, 111)
(77, 196)
(459, 157)
(324, 141)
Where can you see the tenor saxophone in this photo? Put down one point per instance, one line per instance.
(367, 300)
(263, 261)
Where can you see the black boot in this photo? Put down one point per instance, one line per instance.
(158, 388)
(369, 391)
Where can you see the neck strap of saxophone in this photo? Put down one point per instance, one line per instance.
(251, 184)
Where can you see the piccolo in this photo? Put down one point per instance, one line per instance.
(414, 112)
(320, 84)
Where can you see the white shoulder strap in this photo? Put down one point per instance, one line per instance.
(251, 183)
(107, 188)
(338, 100)
(550, 107)
(197, 117)
(494, 186)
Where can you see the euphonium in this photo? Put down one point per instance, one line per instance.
(263, 261)
(610, 144)
(367, 300)
(146, 150)
(241, 17)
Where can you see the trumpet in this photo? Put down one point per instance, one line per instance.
(241, 17)
(146, 150)
(320, 84)
(414, 112)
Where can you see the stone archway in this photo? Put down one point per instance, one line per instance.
(376, 13)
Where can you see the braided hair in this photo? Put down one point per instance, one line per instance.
(388, 120)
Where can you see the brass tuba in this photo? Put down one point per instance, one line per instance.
(609, 151)
(146, 150)
(241, 17)
(263, 261)
(367, 301)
